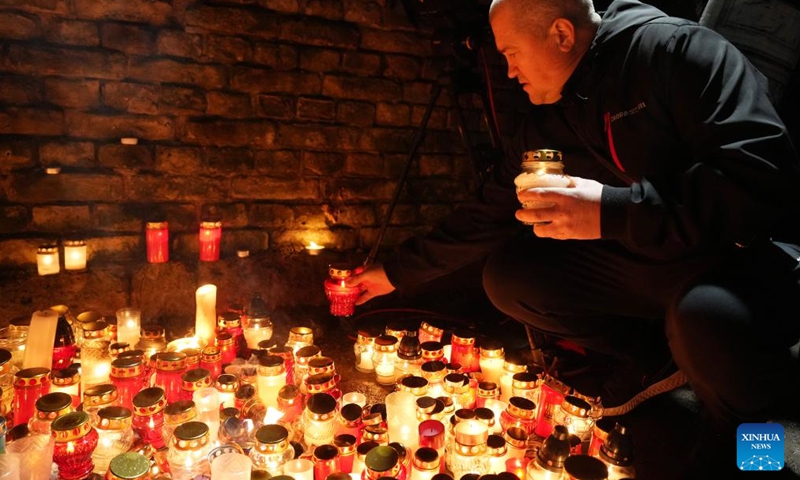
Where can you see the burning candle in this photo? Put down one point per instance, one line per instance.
(354, 397)
(232, 466)
(129, 322)
(157, 237)
(492, 358)
(313, 248)
(208, 402)
(74, 255)
(210, 235)
(206, 314)
(341, 297)
(39, 350)
(401, 418)
(47, 260)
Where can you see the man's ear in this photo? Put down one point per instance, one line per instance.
(562, 31)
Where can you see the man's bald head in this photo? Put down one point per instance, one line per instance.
(537, 15)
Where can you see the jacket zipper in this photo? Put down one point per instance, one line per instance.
(611, 147)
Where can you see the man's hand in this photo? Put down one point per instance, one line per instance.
(574, 214)
(373, 281)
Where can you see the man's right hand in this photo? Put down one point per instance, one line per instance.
(373, 282)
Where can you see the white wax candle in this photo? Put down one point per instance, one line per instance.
(354, 397)
(299, 469)
(39, 350)
(206, 315)
(491, 368)
(128, 325)
(232, 466)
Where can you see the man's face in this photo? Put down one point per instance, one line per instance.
(533, 58)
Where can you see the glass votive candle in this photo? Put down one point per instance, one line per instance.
(256, 330)
(354, 397)
(271, 378)
(67, 380)
(326, 461)
(469, 449)
(115, 436)
(384, 359)
(98, 397)
(431, 435)
(47, 261)
(148, 416)
(74, 255)
(175, 414)
(319, 419)
(129, 323)
(227, 384)
(382, 461)
(47, 408)
(157, 239)
(364, 348)
(512, 364)
(300, 337)
(211, 360)
(207, 402)
(463, 351)
(232, 466)
(30, 384)
(519, 413)
(496, 449)
(75, 440)
(600, 432)
(492, 358)
(430, 332)
(193, 380)
(299, 469)
(342, 298)
(210, 235)
(573, 413)
(401, 419)
(272, 449)
(426, 464)
(188, 452)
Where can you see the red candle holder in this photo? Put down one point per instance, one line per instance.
(29, 385)
(75, 440)
(157, 237)
(148, 416)
(210, 235)
(552, 393)
(341, 297)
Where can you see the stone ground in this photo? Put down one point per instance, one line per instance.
(663, 428)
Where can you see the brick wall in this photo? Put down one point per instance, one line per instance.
(289, 120)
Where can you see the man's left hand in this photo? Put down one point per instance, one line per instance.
(573, 214)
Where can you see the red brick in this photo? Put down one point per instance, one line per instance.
(230, 20)
(72, 154)
(402, 67)
(117, 218)
(363, 12)
(88, 125)
(266, 188)
(310, 217)
(38, 187)
(311, 31)
(437, 121)
(190, 188)
(232, 105)
(43, 61)
(363, 165)
(386, 139)
(322, 163)
(330, 9)
(229, 133)
(178, 159)
(18, 26)
(157, 70)
(59, 6)
(252, 240)
(179, 44)
(278, 163)
(15, 152)
(419, 93)
(20, 90)
(360, 114)
(431, 165)
(56, 218)
(283, 6)
(373, 89)
(315, 109)
(255, 80)
(155, 12)
(72, 93)
(31, 121)
(279, 57)
(433, 213)
(128, 38)
(136, 157)
(392, 114)
(228, 160)
(318, 137)
(410, 43)
(270, 215)
(153, 99)
(272, 106)
(13, 219)
(319, 60)
(432, 67)
(359, 63)
(72, 32)
(228, 49)
(233, 215)
(356, 216)
(359, 189)
(120, 248)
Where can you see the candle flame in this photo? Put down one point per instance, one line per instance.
(314, 246)
(272, 416)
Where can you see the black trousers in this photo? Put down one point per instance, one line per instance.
(727, 319)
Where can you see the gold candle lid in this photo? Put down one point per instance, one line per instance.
(170, 361)
(192, 357)
(89, 316)
(270, 365)
(100, 395)
(126, 367)
(426, 458)
(289, 395)
(227, 382)
(149, 401)
(211, 354)
(229, 412)
(129, 466)
(71, 427)
(491, 349)
(272, 439)
(66, 377)
(156, 225)
(321, 364)
(542, 155)
(92, 330)
(431, 329)
(340, 271)
(488, 389)
(31, 377)
(305, 354)
(324, 453)
(376, 433)
(190, 436)
(524, 381)
(413, 384)
(210, 224)
(195, 379)
(52, 405)
(47, 249)
(346, 444)
(462, 338)
(224, 339)
(521, 407)
(432, 351)
(152, 332)
(456, 383)
(324, 382)
(386, 344)
(514, 364)
(301, 334)
(576, 406)
(321, 406)
(229, 320)
(114, 418)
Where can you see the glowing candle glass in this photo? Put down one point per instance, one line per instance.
(210, 235)
(428, 332)
(115, 436)
(129, 321)
(157, 237)
(95, 354)
(75, 440)
(208, 403)
(188, 452)
(47, 260)
(401, 418)
(148, 416)
(74, 255)
(511, 366)
(314, 249)
(341, 297)
(29, 385)
(384, 359)
(492, 358)
(271, 378)
(299, 469)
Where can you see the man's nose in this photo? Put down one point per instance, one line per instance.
(513, 72)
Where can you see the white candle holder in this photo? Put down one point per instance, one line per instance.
(47, 261)
(129, 324)
(75, 255)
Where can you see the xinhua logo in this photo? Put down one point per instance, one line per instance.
(759, 446)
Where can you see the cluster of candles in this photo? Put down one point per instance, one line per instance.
(193, 408)
(48, 260)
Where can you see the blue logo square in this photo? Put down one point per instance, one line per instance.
(759, 446)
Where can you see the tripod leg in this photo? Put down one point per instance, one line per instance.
(420, 135)
(462, 132)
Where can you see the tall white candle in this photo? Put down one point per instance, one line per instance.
(129, 321)
(39, 350)
(401, 419)
(206, 319)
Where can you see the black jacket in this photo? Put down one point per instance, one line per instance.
(678, 126)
